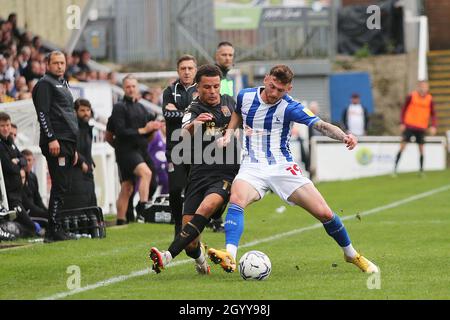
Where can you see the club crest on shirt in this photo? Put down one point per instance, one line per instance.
(226, 111)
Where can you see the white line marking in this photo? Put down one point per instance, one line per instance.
(135, 274)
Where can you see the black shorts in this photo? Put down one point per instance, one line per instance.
(409, 133)
(198, 189)
(128, 161)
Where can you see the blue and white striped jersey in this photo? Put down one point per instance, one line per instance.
(267, 128)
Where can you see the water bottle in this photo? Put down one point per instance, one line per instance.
(94, 226)
(66, 224)
(75, 226)
(84, 224)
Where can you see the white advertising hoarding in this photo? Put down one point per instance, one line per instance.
(373, 156)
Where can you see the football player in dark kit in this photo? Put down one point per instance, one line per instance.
(176, 98)
(53, 102)
(212, 171)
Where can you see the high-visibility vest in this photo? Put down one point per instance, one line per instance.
(227, 87)
(418, 111)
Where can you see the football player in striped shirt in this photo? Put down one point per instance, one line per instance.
(267, 115)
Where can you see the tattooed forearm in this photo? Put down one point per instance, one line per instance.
(329, 130)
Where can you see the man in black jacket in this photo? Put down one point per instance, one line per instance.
(225, 61)
(132, 126)
(13, 165)
(31, 197)
(176, 98)
(53, 102)
(82, 189)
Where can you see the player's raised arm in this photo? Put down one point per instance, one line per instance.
(336, 133)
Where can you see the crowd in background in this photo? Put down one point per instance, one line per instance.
(22, 62)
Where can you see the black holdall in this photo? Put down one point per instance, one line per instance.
(158, 212)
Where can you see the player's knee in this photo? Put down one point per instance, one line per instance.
(234, 198)
(323, 213)
(127, 189)
(207, 209)
(146, 173)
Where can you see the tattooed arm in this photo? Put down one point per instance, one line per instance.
(336, 133)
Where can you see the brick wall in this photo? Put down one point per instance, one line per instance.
(438, 12)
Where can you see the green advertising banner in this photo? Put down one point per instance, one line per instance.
(236, 18)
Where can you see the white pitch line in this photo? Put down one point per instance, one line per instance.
(135, 274)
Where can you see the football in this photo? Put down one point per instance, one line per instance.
(255, 265)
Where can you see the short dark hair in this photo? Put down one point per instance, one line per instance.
(26, 153)
(224, 44)
(54, 53)
(207, 70)
(82, 102)
(282, 73)
(13, 125)
(186, 57)
(4, 116)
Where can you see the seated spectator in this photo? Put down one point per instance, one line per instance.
(37, 44)
(12, 164)
(31, 198)
(20, 85)
(4, 98)
(33, 71)
(12, 18)
(72, 65)
(24, 59)
(6, 71)
(85, 57)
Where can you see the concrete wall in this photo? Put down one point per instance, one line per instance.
(46, 18)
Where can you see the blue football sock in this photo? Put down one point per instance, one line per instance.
(335, 229)
(234, 224)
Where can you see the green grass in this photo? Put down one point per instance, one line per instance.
(410, 243)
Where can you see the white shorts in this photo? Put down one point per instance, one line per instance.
(283, 179)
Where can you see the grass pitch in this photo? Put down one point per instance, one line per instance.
(393, 221)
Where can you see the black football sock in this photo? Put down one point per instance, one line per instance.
(399, 154)
(188, 234)
(421, 163)
(194, 254)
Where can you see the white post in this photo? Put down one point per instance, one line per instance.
(423, 48)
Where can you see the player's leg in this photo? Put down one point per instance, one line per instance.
(420, 139)
(242, 195)
(145, 176)
(126, 190)
(177, 182)
(193, 226)
(309, 198)
(406, 137)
